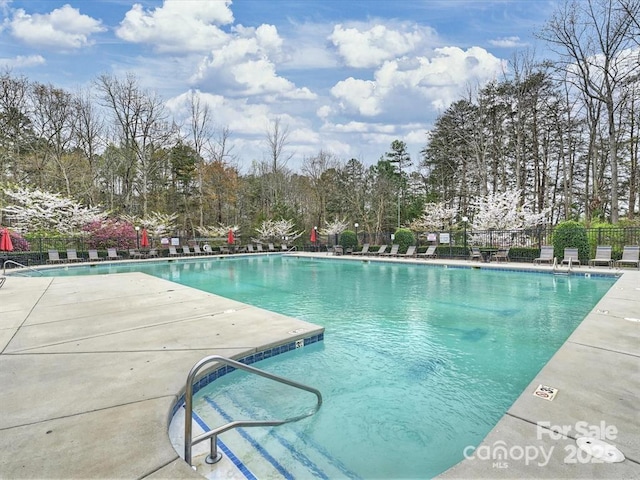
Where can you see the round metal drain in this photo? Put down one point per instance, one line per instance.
(600, 449)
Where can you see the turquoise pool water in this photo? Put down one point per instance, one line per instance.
(418, 361)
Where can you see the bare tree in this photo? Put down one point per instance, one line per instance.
(200, 133)
(316, 169)
(276, 137)
(140, 130)
(594, 39)
(53, 122)
(89, 135)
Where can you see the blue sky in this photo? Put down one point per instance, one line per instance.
(347, 77)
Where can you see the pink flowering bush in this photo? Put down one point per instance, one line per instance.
(18, 241)
(110, 233)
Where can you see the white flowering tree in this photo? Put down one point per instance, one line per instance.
(334, 227)
(276, 230)
(40, 211)
(436, 216)
(157, 224)
(501, 211)
(220, 231)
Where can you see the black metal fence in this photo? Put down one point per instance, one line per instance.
(525, 244)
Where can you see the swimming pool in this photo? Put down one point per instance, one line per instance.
(418, 361)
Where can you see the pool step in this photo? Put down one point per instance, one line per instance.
(270, 452)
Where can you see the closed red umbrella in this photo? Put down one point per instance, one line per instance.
(5, 241)
(314, 237)
(144, 241)
(230, 237)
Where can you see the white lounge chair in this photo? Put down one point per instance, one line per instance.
(430, 253)
(364, 251)
(603, 256)
(393, 252)
(630, 256)
(571, 256)
(546, 255)
(54, 257)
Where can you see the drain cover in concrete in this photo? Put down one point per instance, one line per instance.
(600, 449)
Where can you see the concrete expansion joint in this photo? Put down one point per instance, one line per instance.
(595, 347)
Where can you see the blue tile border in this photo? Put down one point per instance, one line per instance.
(476, 266)
(247, 360)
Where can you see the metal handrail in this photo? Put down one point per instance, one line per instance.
(214, 456)
(4, 267)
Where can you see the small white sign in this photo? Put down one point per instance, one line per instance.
(432, 237)
(175, 241)
(547, 393)
(444, 238)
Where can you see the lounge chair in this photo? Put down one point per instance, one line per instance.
(94, 257)
(337, 250)
(112, 254)
(284, 247)
(259, 248)
(430, 253)
(570, 257)
(603, 256)
(173, 252)
(224, 250)
(54, 257)
(72, 255)
(546, 255)
(630, 256)
(153, 253)
(364, 251)
(135, 253)
(476, 254)
(186, 250)
(411, 252)
(380, 251)
(502, 255)
(250, 248)
(393, 252)
(271, 247)
(197, 251)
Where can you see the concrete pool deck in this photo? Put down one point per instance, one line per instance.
(91, 366)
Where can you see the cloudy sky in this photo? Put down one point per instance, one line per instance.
(344, 76)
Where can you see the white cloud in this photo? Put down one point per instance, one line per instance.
(359, 127)
(508, 42)
(178, 26)
(359, 95)
(22, 61)
(63, 29)
(369, 48)
(246, 67)
(400, 85)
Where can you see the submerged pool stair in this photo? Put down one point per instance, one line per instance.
(257, 452)
(286, 452)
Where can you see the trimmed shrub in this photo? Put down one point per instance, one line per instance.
(571, 234)
(348, 239)
(405, 238)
